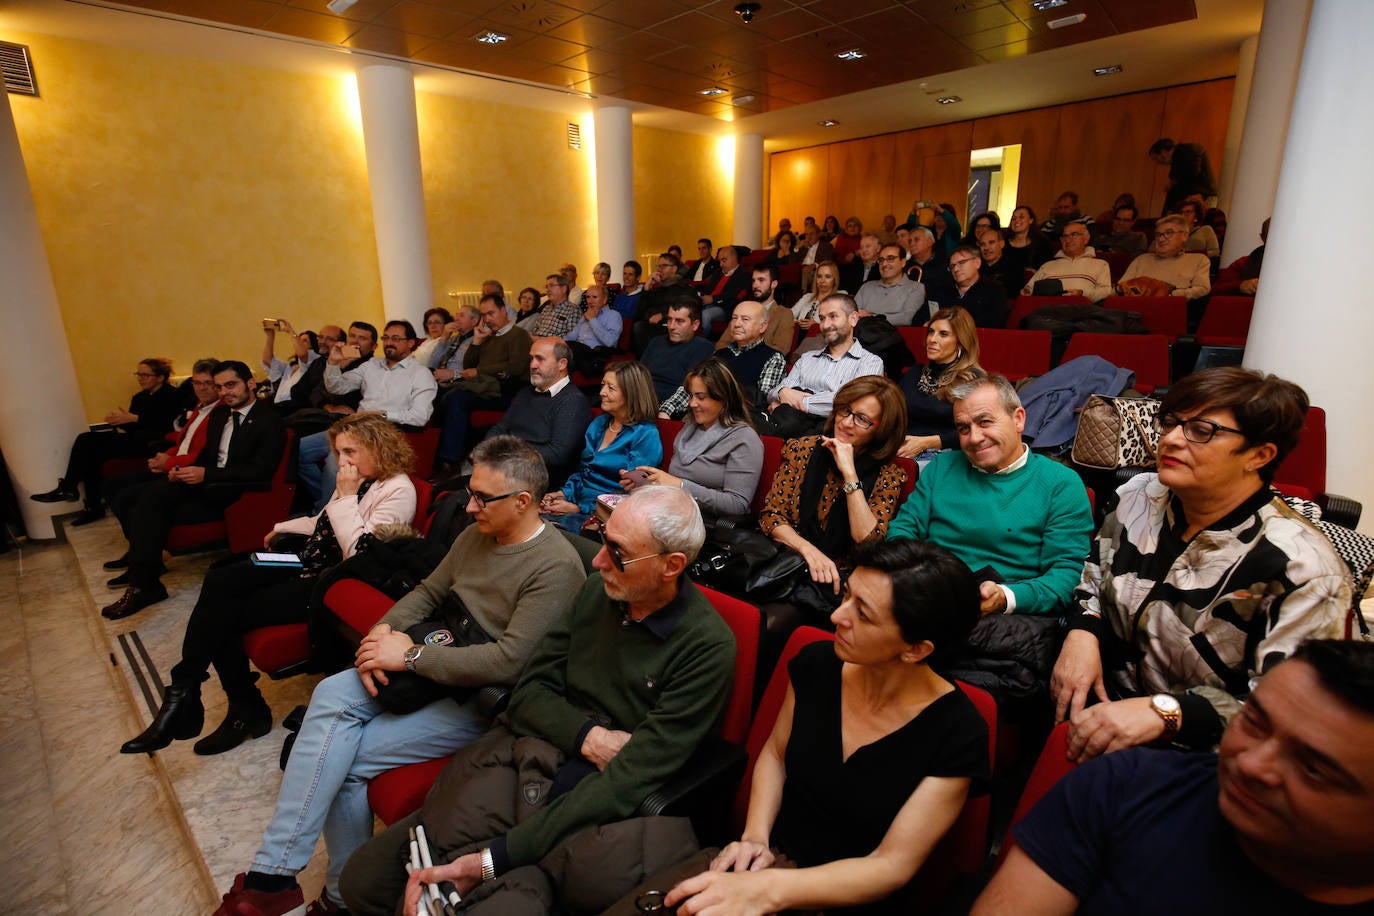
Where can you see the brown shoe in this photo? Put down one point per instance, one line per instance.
(134, 600)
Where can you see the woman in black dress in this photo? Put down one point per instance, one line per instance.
(873, 752)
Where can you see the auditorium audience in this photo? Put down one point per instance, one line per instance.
(447, 360)
(626, 301)
(893, 296)
(718, 455)
(667, 289)
(559, 313)
(865, 265)
(283, 375)
(435, 320)
(1168, 270)
(669, 357)
(597, 333)
(1201, 578)
(550, 414)
(924, 266)
(312, 408)
(951, 359)
(997, 266)
(1064, 211)
(756, 367)
(601, 274)
(847, 242)
(569, 273)
(1076, 267)
(730, 287)
(527, 303)
(706, 268)
(984, 299)
(1201, 237)
(830, 228)
(1120, 234)
(625, 435)
(827, 282)
(786, 251)
(780, 326)
(947, 231)
(1190, 171)
(816, 250)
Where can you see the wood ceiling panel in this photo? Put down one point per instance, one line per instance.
(789, 23)
(550, 50)
(387, 41)
(591, 30)
(313, 26)
(466, 7)
(422, 19)
(1129, 15)
(602, 85)
(596, 60)
(641, 14)
(362, 11)
(532, 15)
(977, 20)
(838, 12)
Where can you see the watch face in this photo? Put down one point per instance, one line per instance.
(412, 653)
(1166, 703)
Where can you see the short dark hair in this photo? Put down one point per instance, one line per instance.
(238, 367)
(706, 242)
(1071, 195)
(364, 326)
(636, 267)
(1162, 145)
(675, 259)
(558, 279)
(403, 325)
(1267, 408)
(677, 250)
(693, 307)
(768, 268)
(1134, 211)
(208, 365)
(437, 310)
(1344, 666)
(500, 302)
(934, 594)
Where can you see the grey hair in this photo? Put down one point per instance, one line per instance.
(1173, 219)
(1011, 402)
(497, 287)
(675, 524)
(207, 365)
(472, 310)
(517, 461)
(926, 229)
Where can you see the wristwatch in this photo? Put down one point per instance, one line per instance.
(1168, 709)
(488, 865)
(853, 486)
(412, 655)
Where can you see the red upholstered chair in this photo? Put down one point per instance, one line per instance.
(1147, 355)
(424, 444)
(1051, 766)
(1226, 322)
(1303, 473)
(667, 434)
(1117, 262)
(484, 419)
(246, 521)
(914, 336)
(909, 466)
(1167, 315)
(1027, 304)
(1015, 354)
(772, 460)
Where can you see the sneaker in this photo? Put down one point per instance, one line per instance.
(241, 902)
(325, 907)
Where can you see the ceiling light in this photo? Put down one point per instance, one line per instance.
(1075, 19)
(742, 99)
(1042, 5)
(1107, 71)
(948, 99)
(827, 123)
(714, 90)
(851, 54)
(338, 6)
(491, 38)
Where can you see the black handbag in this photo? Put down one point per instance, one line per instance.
(746, 563)
(451, 624)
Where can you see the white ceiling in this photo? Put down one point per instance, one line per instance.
(1200, 49)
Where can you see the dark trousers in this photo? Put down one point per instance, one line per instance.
(91, 450)
(149, 512)
(234, 600)
(454, 409)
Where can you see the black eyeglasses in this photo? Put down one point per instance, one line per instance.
(954, 264)
(483, 500)
(888, 259)
(863, 421)
(618, 558)
(1199, 432)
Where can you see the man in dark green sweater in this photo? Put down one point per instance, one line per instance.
(620, 692)
(1019, 520)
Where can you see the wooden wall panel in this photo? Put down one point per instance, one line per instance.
(1038, 133)
(946, 180)
(1103, 146)
(1196, 113)
(860, 180)
(907, 175)
(797, 185)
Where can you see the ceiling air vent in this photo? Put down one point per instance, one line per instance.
(18, 68)
(574, 135)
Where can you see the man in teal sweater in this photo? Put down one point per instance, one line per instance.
(1020, 521)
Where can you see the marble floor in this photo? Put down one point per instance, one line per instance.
(90, 830)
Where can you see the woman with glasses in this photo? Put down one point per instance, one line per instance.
(786, 251)
(951, 358)
(435, 321)
(835, 491)
(624, 436)
(718, 455)
(132, 432)
(872, 753)
(373, 489)
(1201, 579)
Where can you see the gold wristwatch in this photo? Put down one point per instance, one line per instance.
(1170, 710)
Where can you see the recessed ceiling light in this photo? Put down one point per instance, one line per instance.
(338, 6)
(491, 38)
(1042, 5)
(948, 99)
(827, 123)
(714, 90)
(742, 99)
(1075, 19)
(1107, 71)
(851, 54)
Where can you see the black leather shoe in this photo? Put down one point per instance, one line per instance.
(181, 717)
(121, 563)
(243, 721)
(132, 601)
(64, 493)
(120, 581)
(87, 516)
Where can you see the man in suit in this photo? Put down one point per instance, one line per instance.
(731, 286)
(816, 248)
(865, 266)
(244, 441)
(706, 269)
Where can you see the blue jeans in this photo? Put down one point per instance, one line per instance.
(318, 469)
(345, 741)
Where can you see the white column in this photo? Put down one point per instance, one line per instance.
(1312, 324)
(1235, 124)
(1277, 58)
(40, 411)
(749, 228)
(391, 139)
(615, 187)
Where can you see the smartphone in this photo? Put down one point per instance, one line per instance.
(352, 352)
(265, 558)
(279, 324)
(639, 477)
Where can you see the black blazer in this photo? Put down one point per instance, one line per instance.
(254, 451)
(736, 289)
(856, 275)
(710, 275)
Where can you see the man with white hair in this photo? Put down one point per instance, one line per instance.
(618, 695)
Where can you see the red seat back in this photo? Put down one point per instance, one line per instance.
(1147, 355)
(772, 460)
(1226, 322)
(667, 434)
(909, 484)
(357, 604)
(914, 336)
(1305, 466)
(1167, 315)
(1015, 354)
(424, 496)
(746, 623)
(1117, 262)
(425, 444)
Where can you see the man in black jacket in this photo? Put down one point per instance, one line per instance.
(244, 441)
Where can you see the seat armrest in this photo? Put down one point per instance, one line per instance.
(709, 776)
(1340, 510)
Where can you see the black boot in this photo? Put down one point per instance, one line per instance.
(248, 717)
(65, 493)
(87, 515)
(181, 717)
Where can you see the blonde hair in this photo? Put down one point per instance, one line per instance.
(391, 453)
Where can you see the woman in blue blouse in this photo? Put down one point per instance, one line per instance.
(624, 436)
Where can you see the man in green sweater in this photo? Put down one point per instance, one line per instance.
(1020, 521)
(513, 573)
(617, 697)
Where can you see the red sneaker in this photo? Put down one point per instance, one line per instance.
(325, 907)
(242, 902)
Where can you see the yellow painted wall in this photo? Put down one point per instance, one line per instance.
(683, 191)
(181, 200)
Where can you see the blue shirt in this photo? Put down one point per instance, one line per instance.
(601, 331)
(600, 469)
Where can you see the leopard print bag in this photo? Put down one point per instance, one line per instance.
(1116, 433)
